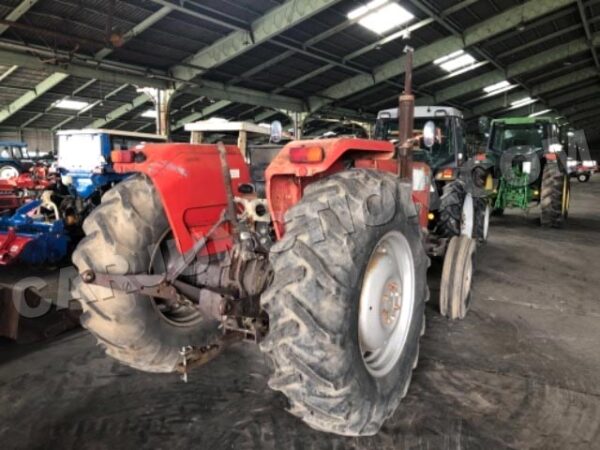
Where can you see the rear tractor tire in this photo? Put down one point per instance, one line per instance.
(346, 307)
(555, 197)
(457, 276)
(120, 234)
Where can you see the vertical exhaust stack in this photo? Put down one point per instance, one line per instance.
(406, 113)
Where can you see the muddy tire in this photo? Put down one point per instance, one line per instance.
(454, 220)
(314, 303)
(555, 196)
(120, 235)
(482, 219)
(457, 275)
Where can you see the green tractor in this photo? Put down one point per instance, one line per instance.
(528, 166)
(456, 209)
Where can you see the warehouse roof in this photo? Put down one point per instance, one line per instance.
(253, 59)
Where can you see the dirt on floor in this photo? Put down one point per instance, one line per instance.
(522, 371)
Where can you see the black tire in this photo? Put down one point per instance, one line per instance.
(583, 177)
(313, 302)
(482, 219)
(120, 234)
(451, 210)
(554, 199)
(498, 212)
(457, 275)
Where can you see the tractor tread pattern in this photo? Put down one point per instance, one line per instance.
(451, 206)
(551, 198)
(120, 234)
(310, 342)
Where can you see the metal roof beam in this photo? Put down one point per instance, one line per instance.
(572, 96)
(530, 64)
(41, 88)
(588, 33)
(17, 12)
(82, 71)
(503, 102)
(274, 22)
(234, 44)
(498, 24)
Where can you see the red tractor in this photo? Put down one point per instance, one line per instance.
(327, 273)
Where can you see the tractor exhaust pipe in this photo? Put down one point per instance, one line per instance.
(406, 113)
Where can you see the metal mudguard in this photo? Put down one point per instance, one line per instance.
(190, 184)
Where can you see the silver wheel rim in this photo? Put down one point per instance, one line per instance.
(8, 172)
(486, 222)
(467, 217)
(387, 301)
(182, 316)
(468, 277)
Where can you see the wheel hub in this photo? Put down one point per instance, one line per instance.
(386, 303)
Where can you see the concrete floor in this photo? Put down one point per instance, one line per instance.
(522, 371)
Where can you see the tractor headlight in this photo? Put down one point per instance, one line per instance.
(555, 148)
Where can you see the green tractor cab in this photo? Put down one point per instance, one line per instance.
(528, 164)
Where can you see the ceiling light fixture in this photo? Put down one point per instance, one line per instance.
(380, 16)
(74, 105)
(455, 61)
(540, 113)
(150, 114)
(522, 102)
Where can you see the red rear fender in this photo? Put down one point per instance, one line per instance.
(190, 183)
(286, 180)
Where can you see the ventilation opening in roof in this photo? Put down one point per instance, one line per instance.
(497, 88)
(456, 61)
(540, 113)
(380, 16)
(522, 102)
(150, 114)
(73, 105)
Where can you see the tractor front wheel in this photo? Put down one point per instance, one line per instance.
(457, 276)
(457, 211)
(346, 307)
(482, 219)
(555, 196)
(122, 236)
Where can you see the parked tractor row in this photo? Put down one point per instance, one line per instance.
(315, 249)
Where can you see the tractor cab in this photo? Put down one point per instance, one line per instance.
(84, 156)
(525, 133)
(448, 150)
(256, 143)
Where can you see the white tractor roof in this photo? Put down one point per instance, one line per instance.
(225, 125)
(133, 134)
(423, 112)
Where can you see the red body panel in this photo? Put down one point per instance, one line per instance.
(11, 246)
(190, 183)
(286, 180)
(421, 187)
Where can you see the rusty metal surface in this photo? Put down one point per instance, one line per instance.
(522, 371)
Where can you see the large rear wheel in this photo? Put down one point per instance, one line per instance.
(128, 233)
(346, 307)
